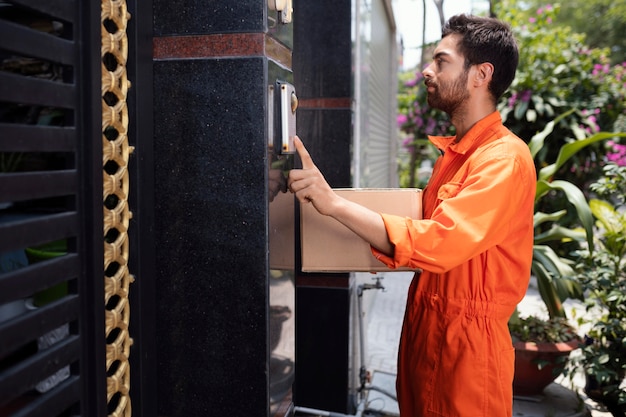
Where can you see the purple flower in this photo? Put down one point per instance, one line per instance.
(431, 124)
(525, 96)
(408, 143)
(401, 119)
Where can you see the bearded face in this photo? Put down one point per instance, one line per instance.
(448, 95)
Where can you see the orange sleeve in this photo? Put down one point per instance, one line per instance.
(474, 214)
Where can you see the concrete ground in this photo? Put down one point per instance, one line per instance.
(383, 314)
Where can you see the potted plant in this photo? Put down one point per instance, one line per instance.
(542, 348)
(603, 277)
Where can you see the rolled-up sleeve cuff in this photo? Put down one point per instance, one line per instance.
(399, 236)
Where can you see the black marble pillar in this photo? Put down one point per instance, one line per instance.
(322, 56)
(224, 316)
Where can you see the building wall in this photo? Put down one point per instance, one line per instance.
(375, 74)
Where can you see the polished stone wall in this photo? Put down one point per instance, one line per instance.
(224, 315)
(226, 255)
(322, 56)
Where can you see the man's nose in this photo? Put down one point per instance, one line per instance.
(427, 72)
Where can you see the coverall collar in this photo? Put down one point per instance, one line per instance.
(444, 143)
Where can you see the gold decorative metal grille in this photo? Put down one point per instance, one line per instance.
(115, 155)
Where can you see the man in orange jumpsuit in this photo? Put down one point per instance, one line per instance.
(474, 243)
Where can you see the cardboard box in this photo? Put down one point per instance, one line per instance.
(329, 246)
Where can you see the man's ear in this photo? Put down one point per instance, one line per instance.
(483, 74)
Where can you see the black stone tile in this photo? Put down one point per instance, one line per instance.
(211, 221)
(187, 17)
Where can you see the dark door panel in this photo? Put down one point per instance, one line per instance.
(52, 338)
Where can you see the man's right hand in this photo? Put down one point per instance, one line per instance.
(308, 183)
(310, 186)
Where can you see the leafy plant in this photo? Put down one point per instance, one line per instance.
(558, 71)
(555, 273)
(612, 184)
(534, 329)
(9, 161)
(603, 276)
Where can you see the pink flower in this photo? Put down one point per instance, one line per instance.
(532, 20)
(619, 154)
(616, 158)
(401, 119)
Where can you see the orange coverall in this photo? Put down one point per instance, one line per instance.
(474, 246)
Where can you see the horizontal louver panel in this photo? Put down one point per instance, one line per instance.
(32, 230)
(53, 403)
(64, 10)
(50, 256)
(27, 90)
(30, 185)
(34, 369)
(29, 138)
(29, 326)
(36, 44)
(22, 282)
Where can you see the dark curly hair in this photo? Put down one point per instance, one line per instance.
(485, 39)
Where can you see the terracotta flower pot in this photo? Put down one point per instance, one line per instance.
(538, 364)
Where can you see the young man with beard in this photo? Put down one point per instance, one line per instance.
(474, 243)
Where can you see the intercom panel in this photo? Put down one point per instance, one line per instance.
(285, 105)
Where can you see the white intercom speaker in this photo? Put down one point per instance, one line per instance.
(284, 7)
(286, 103)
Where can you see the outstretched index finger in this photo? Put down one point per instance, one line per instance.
(307, 161)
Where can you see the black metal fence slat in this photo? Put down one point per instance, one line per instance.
(64, 10)
(36, 138)
(27, 327)
(21, 186)
(23, 282)
(36, 44)
(53, 402)
(26, 374)
(37, 229)
(29, 90)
